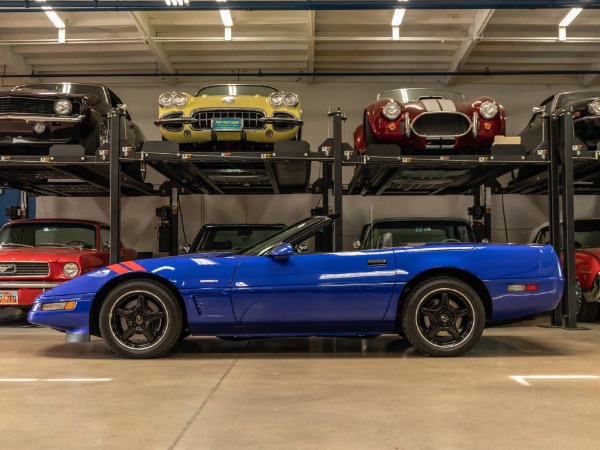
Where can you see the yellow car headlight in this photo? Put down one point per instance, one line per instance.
(290, 99)
(276, 99)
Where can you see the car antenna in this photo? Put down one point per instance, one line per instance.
(372, 229)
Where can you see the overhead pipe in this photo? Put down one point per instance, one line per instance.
(261, 74)
(299, 5)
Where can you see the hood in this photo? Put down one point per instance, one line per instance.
(39, 254)
(594, 251)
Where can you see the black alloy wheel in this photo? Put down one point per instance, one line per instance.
(140, 319)
(443, 317)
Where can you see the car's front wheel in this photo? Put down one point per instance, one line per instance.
(140, 319)
(443, 317)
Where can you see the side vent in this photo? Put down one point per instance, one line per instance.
(199, 303)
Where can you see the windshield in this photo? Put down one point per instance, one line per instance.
(236, 89)
(232, 237)
(570, 97)
(284, 236)
(59, 234)
(408, 232)
(414, 94)
(66, 88)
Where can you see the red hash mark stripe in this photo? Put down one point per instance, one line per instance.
(118, 268)
(134, 266)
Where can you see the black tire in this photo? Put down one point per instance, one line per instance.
(370, 137)
(91, 142)
(140, 319)
(586, 311)
(443, 317)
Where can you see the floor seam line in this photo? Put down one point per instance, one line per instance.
(188, 424)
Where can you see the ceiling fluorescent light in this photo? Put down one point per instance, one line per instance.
(570, 17)
(226, 17)
(58, 23)
(398, 16)
(62, 36)
(562, 33)
(227, 33)
(395, 33)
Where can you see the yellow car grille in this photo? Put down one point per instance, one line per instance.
(251, 117)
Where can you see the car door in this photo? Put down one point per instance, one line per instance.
(312, 289)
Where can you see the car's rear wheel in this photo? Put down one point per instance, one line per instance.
(370, 137)
(586, 311)
(140, 319)
(443, 317)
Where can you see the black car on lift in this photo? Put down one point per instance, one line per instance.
(229, 237)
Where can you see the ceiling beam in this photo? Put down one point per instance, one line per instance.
(482, 18)
(588, 80)
(148, 32)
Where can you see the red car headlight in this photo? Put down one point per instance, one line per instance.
(71, 270)
(488, 110)
(392, 111)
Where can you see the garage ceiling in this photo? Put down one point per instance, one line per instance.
(450, 44)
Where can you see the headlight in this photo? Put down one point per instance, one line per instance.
(71, 270)
(391, 111)
(180, 100)
(290, 99)
(594, 107)
(488, 110)
(63, 106)
(166, 99)
(276, 99)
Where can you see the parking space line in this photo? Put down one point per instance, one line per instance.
(522, 379)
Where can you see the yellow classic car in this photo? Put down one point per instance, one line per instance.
(230, 116)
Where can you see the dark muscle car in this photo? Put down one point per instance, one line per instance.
(586, 119)
(34, 117)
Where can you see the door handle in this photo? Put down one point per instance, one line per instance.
(377, 262)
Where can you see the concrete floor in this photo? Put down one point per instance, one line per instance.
(317, 393)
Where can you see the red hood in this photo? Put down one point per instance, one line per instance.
(595, 251)
(41, 254)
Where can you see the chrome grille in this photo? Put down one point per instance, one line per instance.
(283, 126)
(173, 126)
(24, 269)
(441, 124)
(250, 117)
(33, 106)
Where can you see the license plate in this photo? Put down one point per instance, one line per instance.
(227, 124)
(9, 297)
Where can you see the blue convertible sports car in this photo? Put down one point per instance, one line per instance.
(439, 296)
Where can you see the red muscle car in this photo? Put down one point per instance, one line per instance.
(587, 263)
(431, 121)
(39, 254)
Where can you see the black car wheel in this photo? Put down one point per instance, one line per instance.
(443, 317)
(586, 311)
(370, 137)
(140, 319)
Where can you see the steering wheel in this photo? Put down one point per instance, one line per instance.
(450, 240)
(76, 241)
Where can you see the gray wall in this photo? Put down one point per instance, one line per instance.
(513, 215)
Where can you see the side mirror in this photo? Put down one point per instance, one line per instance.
(485, 241)
(186, 248)
(302, 248)
(356, 244)
(284, 251)
(106, 246)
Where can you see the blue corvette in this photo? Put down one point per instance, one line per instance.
(438, 295)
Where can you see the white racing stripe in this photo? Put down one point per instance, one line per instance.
(431, 105)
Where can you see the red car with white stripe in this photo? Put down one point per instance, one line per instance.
(428, 121)
(39, 254)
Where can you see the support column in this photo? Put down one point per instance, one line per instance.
(114, 154)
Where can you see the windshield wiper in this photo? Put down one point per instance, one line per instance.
(14, 244)
(52, 244)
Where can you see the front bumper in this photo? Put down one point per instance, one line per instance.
(22, 294)
(75, 322)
